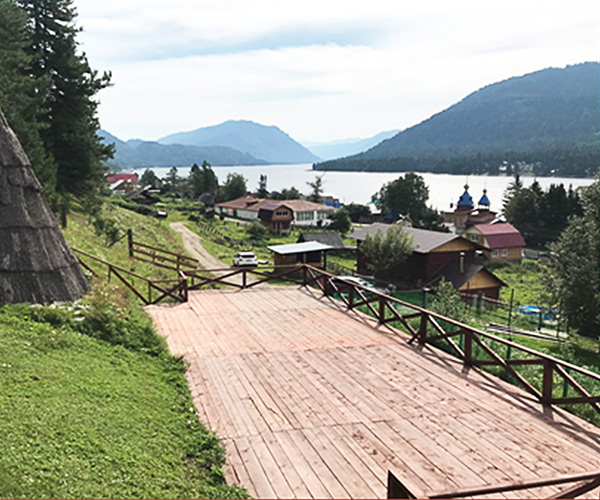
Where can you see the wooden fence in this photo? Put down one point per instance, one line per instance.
(147, 290)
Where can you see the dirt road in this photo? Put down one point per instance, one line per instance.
(193, 244)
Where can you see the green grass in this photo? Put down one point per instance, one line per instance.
(92, 404)
(80, 234)
(82, 417)
(524, 278)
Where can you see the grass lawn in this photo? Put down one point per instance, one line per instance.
(84, 418)
(80, 234)
(92, 404)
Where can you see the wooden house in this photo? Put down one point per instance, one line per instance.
(500, 240)
(437, 255)
(277, 217)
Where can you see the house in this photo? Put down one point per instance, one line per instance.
(466, 215)
(469, 279)
(304, 213)
(308, 213)
(334, 240)
(309, 252)
(438, 255)
(500, 240)
(246, 207)
(277, 217)
(122, 183)
(128, 178)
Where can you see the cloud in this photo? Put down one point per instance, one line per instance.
(318, 69)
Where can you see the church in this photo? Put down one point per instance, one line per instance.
(498, 239)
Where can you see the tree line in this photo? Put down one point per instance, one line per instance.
(581, 160)
(540, 215)
(48, 95)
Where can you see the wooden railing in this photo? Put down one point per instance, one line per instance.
(147, 290)
(584, 484)
(158, 256)
(474, 347)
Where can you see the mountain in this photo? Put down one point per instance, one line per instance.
(136, 153)
(260, 141)
(346, 147)
(549, 118)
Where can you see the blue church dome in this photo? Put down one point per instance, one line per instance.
(465, 200)
(484, 199)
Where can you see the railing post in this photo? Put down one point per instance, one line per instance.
(547, 382)
(185, 288)
(423, 328)
(381, 311)
(351, 298)
(468, 349)
(244, 279)
(130, 242)
(304, 273)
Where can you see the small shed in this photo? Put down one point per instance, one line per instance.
(309, 252)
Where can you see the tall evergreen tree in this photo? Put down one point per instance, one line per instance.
(573, 277)
(70, 105)
(21, 97)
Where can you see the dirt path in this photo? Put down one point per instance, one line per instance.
(193, 244)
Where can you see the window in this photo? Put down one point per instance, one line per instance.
(282, 213)
(494, 253)
(474, 238)
(322, 214)
(504, 252)
(303, 216)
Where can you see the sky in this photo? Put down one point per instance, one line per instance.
(320, 70)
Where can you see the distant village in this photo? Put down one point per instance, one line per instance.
(474, 234)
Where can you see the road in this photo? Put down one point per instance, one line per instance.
(193, 244)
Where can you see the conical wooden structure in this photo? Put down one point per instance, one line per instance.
(36, 264)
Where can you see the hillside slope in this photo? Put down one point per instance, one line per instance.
(549, 111)
(260, 141)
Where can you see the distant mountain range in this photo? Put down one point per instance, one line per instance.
(346, 147)
(550, 118)
(268, 143)
(231, 143)
(136, 153)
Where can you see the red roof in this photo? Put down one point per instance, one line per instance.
(501, 235)
(122, 177)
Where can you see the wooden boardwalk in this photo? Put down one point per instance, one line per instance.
(312, 401)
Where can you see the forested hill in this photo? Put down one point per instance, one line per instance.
(260, 141)
(549, 118)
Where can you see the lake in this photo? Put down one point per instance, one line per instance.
(358, 187)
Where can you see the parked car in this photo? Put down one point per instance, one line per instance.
(344, 285)
(245, 259)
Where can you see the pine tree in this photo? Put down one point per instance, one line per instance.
(70, 107)
(20, 96)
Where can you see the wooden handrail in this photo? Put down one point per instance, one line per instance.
(589, 481)
(382, 307)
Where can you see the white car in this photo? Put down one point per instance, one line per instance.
(245, 259)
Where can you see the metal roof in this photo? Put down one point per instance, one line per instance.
(307, 246)
(423, 239)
